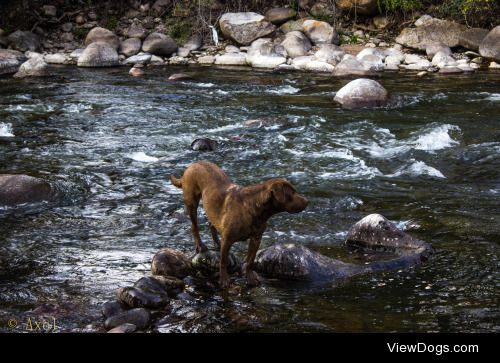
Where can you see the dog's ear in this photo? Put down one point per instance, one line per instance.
(278, 190)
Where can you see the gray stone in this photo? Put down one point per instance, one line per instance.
(194, 42)
(320, 32)
(130, 47)
(183, 52)
(231, 59)
(351, 66)
(362, 92)
(472, 38)
(124, 329)
(57, 58)
(159, 44)
(139, 317)
(137, 31)
(102, 35)
(263, 53)
(111, 308)
(329, 53)
(138, 298)
(24, 40)
(33, 67)
(434, 48)
(136, 72)
(170, 262)
(360, 7)
(490, 46)
(279, 16)
(206, 59)
(381, 21)
(244, 28)
(10, 60)
(98, 54)
(293, 25)
(143, 58)
(296, 44)
(433, 31)
(19, 189)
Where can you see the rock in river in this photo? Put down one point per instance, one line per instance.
(18, 189)
(98, 54)
(208, 263)
(139, 317)
(170, 262)
(204, 144)
(10, 60)
(111, 308)
(138, 298)
(33, 67)
(362, 92)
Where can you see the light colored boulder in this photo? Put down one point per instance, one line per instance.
(433, 31)
(10, 61)
(142, 58)
(472, 38)
(318, 66)
(98, 54)
(231, 59)
(244, 28)
(362, 92)
(57, 58)
(207, 59)
(329, 53)
(35, 66)
(320, 32)
(350, 65)
(263, 53)
(102, 35)
(490, 46)
(301, 62)
(434, 48)
(296, 44)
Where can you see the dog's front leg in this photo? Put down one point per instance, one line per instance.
(224, 256)
(251, 275)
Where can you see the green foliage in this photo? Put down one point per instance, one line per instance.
(80, 33)
(112, 23)
(399, 5)
(180, 31)
(349, 39)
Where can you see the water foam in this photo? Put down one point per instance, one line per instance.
(284, 90)
(416, 168)
(437, 139)
(141, 156)
(6, 130)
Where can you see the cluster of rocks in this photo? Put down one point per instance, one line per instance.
(276, 40)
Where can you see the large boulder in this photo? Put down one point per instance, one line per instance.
(362, 92)
(33, 67)
(490, 46)
(320, 32)
(10, 60)
(159, 44)
(472, 38)
(280, 15)
(351, 66)
(432, 31)
(130, 47)
(24, 40)
(170, 262)
(102, 35)
(244, 28)
(98, 54)
(263, 53)
(361, 7)
(19, 189)
(296, 44)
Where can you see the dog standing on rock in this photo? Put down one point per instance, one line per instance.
(236, 213)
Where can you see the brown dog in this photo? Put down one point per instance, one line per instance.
(236, 213)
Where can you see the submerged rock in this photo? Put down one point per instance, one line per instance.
(204, 144)
(207, 263)
(139, 317)
(244, 28)
(180, 77)
(362, 92)
(170, 262)
(19, 189)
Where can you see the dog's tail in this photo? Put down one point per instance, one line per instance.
(175, 181)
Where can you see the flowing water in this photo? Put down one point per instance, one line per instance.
(429, 161)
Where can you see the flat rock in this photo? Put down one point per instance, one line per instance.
(433, 31)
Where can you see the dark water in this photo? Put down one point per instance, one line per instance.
(432, 158)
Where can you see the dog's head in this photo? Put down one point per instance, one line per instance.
(284, 197)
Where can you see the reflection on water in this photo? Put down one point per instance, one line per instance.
(111, 141)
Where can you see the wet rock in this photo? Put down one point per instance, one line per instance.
(33, 67)
(350, 65)
(433, 31)
(159, 44)
(296, 44)
(111, 308)
(292, 262)
(231, 59)
(180, 77)
(142, 58)
(102, 35)
(10, 60)
(204, 144)
(136, 72)
(194, 42)
(362, 93)
(124, 328)
(98, 54)
(263, 53)
(137, 31)
(377, 232)
(279, 16)
(172, 284)
(138, 298)
(320, 32)
(130, 47)
(434, 48)
(490, 46)
(361, 7)
(24, 40)
(19, 189)
(170, 262)
(207, 263)
(139, 317)
(264, 122)
(472, 38)
(329, 53)
(244, 28)
(450, 70)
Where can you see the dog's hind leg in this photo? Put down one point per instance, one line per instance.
(192, 211)
(215, 236)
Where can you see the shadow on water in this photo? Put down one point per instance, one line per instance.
(110, 142)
